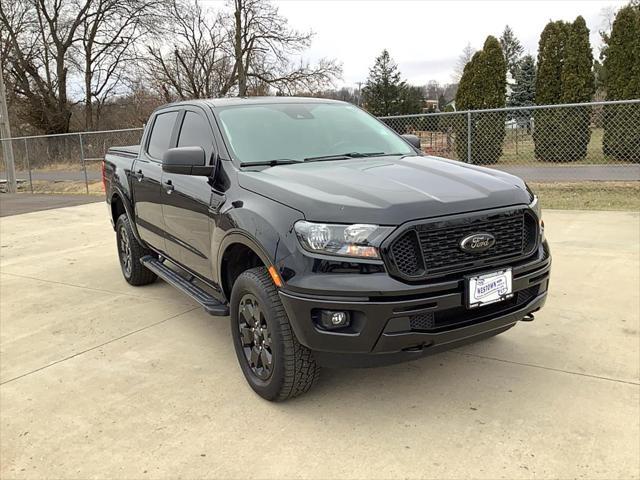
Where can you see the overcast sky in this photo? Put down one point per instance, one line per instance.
(425, 38)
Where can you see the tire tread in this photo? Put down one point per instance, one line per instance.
(140, 275)
(301, 370)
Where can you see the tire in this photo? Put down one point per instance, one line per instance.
(255, 304)
(130, 252)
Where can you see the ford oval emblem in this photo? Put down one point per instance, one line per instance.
(477, 242)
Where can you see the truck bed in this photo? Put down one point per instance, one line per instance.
(126, 151)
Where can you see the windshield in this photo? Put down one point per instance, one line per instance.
(298, 131)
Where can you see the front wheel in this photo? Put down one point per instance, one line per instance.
(272, 360)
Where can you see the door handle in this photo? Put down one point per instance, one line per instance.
(139, 175)
(168, 187)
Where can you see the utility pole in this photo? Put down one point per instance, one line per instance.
(359, 89)
(5, 133)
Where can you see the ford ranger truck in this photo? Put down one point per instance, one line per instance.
(327, 238)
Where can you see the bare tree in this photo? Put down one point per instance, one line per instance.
(41, 34)
(263, 47)
(463, 59)
(198, 64)
(109, 34)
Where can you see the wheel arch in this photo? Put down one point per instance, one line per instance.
(120, 204)
(239, 252)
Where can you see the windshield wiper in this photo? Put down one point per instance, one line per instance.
(342, 156)
(271, 163)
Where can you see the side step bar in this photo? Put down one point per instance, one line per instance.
(211, 304)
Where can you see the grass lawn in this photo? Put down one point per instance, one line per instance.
(562, 196)
(589, 195)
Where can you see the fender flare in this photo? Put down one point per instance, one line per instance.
(242, 237)
(126, 202)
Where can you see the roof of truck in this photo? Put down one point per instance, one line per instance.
(235, 101)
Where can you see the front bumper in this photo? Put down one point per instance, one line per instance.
(384, 330)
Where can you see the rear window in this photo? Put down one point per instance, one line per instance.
(161, 134)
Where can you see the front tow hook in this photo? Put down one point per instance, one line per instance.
(529, 317)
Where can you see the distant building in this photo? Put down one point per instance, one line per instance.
(429, 106)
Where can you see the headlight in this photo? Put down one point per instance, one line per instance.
(535, 206)
(359, 240)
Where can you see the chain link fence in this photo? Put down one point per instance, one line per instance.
(66, 163)
(597, 141)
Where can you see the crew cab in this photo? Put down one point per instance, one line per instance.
(325, 236)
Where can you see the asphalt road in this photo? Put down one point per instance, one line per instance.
(577, 173)
(99, 379)
(17, 203)
(537, 173)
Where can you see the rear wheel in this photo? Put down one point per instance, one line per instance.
(130, 252)
(272, 360)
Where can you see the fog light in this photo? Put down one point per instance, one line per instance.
(332, 319)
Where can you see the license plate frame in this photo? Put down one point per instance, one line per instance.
(503, 289)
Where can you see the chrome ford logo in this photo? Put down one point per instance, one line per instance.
(477, 242)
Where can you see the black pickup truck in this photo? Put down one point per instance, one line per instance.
(326, 237)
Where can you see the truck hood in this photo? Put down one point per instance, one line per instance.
(385, 191)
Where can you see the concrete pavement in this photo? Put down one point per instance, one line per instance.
(102, 380)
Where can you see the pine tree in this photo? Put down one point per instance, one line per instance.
(382, 92)
(622, 65)
(411, 100)
(483, 85)
(512, 50)
(523, 92)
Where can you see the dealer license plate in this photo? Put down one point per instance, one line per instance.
(489, 288)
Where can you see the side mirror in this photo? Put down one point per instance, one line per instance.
(412, 140)
(186, 161)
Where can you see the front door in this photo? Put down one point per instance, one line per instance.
(186, 200)
(147, 178)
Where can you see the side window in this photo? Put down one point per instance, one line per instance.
(161, 134)
(195, 132)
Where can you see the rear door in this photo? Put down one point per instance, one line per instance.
(147, 177)
(186, 199)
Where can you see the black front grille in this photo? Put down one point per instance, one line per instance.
(455, 317)
(406, 254)
(433, 248)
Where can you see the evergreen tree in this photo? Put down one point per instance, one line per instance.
(512, 50)
(578, 86)
(483, 85)
(550, 58)
(622, 65)
(523, 92)
(382, 92)
(565, 75)
(411, 100)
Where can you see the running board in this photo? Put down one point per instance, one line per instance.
(211, 304)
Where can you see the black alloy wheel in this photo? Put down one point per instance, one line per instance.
(124, 248)
(255, 337)
(273, 362)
